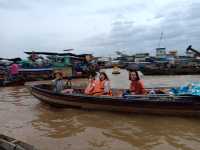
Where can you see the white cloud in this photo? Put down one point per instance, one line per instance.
(98, 25)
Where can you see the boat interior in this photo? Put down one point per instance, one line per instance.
(115, 92)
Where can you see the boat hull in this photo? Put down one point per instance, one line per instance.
(171, 71)
(143, 105)
(115, 72)
(12, 83)
(8, 143)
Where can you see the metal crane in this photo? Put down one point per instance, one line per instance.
(121, 54)
(197, 53)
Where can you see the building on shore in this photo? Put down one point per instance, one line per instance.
(160, 52)
(141, 57)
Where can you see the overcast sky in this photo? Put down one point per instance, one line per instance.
(97, 26)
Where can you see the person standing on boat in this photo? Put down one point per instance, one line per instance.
(14, 70)
(58, 83)
(102, 86)
(136, 85)
(91, 85)
(34, 56)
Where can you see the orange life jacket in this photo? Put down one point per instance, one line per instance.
(90, 88)
(99, 88)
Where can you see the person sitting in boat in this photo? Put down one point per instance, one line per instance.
(136, 85)
(58, 83)
(68, 86)
(91, 85)
(102, 86)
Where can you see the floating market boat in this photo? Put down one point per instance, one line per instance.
(42, 66)
(12, 83)
(161, 104)
(36, 74)
(116, 70)
(5, 81)
(171, 71)
(68, 63)
(1, 79)
(8, 143)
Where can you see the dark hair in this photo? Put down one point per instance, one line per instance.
(92, 74)
(137, 75)
(60, 73)
(105, 75)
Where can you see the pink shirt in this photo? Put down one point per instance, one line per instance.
(14, 69)
(137, 87)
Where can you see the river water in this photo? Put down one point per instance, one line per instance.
(25, 118)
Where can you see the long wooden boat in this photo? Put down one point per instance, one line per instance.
(1, 79)
(161, 104)
(12, 83)
(8, 143)
(116, 70)
(171, 71)
(4, 80)
(36, 74)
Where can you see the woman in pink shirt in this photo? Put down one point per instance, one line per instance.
(14, 71)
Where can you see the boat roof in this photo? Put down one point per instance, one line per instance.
(50, 53)
(55, 53)
(36, 70)
(11, 59)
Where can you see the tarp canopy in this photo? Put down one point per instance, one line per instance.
(57, 54)
(12, 59)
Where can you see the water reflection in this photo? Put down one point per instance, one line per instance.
(147, 132)
(58, 123)
(132, 131)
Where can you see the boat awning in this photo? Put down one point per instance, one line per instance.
(36, 70)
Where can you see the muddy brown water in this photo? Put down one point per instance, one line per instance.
(25, 118)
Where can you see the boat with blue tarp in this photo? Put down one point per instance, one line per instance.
(159, 103)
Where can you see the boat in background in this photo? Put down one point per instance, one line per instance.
(1, 78)
(12, 83)
(8, 143)
(71, 65)
(36, 74)
(42, 66)
(116, 70)
(6, 80)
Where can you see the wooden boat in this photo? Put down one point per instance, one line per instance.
(116, 70)
(4, 83)
(13, 83)
(1, 79)
(162, 104)
(171, 71)
(36, 74)
(8, 143)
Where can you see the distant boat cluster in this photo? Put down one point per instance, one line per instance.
(42, 65)
(162, 64)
